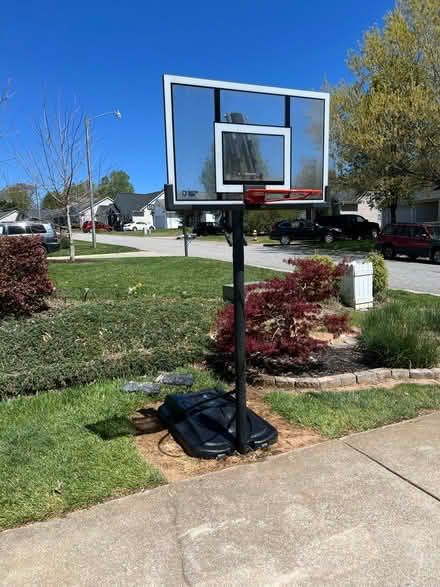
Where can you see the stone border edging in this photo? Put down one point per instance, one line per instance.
(329, 382)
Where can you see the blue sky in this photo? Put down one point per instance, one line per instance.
(112, 55)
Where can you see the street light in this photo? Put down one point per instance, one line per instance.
(118, 115)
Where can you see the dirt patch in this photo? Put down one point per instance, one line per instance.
(162, 451)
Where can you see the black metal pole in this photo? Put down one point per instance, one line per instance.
(185, 236)
(240, 331)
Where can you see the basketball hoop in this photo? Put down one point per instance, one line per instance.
(267, 197)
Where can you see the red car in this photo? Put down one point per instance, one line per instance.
(87, 226)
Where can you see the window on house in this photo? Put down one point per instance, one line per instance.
(349, 208)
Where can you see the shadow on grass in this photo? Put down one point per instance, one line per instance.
(144, 421)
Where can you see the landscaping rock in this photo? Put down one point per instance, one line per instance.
(435, 373)
(381, 374)
(348, 379)
(420, 374)
(149, 388)
(365, 377)
(265, 380)
(130, 387)
(285, 382)
(400, 373)
(312, 383)
(330, 381)
(175, 379)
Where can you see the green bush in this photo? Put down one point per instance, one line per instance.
(90, 342)
(380, 274)
(262, 220)
(323, 259)
(399, 335)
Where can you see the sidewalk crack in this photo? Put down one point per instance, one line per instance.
(419, 487)
(175, 515)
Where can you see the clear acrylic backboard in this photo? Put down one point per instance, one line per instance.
(222, 136)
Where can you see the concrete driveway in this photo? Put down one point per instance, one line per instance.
(420, 276)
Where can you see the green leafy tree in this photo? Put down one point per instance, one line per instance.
(18, 196)
(50, 201)
(385, 126)
(79, 193)
(262, 220)
(117, 181)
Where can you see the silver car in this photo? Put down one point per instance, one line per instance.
(48, 236)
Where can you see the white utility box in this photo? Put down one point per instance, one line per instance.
(357, 286)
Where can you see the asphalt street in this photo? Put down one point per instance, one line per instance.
(419, 276)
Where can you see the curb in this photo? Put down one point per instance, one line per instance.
(100, 257)
(327, 383)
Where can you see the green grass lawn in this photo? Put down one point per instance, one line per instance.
(85, 248)
(337, 414)
(182, 277)
(63, 451)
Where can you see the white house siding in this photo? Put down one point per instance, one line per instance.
(85, 215)
(164, 219)
(144, 216)
(371, 214)
(161, 218)
(363, 209)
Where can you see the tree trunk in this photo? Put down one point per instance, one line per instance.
(69, 229)
(393, 209)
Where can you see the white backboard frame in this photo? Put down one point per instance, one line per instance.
(226, 127)
(169, 80)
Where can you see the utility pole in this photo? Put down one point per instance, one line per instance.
(91, 195)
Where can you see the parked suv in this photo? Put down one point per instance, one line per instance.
(48, 236)
(352, 225)
(413, 240)
(289, 230)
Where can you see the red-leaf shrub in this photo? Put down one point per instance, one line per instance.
(281, 313)
(337, 324)
(24, 283)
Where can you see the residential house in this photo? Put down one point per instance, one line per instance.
(58, 216)
(148, 208)
(351, 203)
(101, 210)
(9, 215)
(426, 208)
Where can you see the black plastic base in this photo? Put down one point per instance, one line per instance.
(204, 424)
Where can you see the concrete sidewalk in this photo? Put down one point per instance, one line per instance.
(363, 510)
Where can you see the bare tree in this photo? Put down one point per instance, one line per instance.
(56, 163)
(5, 95)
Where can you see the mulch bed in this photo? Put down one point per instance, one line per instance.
(160, 449)
(332, 360)
(328, 361)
